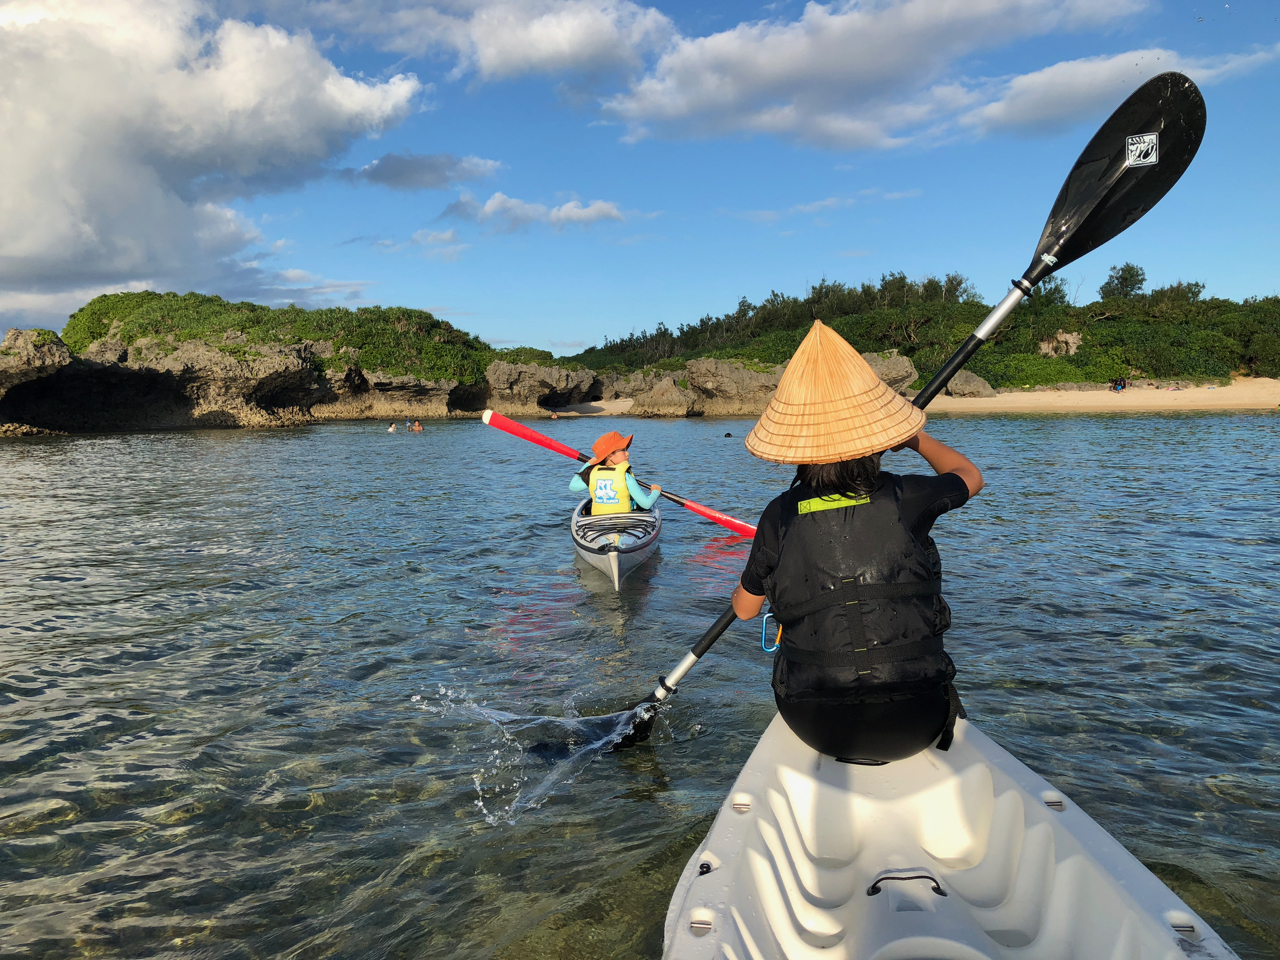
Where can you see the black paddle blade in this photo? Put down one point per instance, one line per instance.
(1131, 162)
(646, 712)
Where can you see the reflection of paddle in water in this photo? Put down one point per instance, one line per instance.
(567, 744)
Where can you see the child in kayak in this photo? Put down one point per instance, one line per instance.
(847, 563)
(607, 477)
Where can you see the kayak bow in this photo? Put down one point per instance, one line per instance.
(962, 855)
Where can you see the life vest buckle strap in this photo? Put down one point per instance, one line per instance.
(954, 709)
(851, 593)
(864, 658)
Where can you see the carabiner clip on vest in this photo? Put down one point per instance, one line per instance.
(764, 634)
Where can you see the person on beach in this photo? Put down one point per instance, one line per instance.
(607, 477)
(847, 563)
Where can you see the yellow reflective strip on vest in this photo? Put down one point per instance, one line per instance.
(830, 503)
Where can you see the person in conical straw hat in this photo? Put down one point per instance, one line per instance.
(847, 563)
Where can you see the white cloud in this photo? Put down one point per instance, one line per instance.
(429, 236)
(415, 171)
(440, 244)
(830, 203)
(508, 213)
(497, 38)
(129, 123)
(575, 212)
(819, 206)
(842, 75)
(1075, 89)
(847, 74)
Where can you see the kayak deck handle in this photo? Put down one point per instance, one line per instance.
(935, 886)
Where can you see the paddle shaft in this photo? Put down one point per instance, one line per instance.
(976, 339)
(667, 685)
(507, 425)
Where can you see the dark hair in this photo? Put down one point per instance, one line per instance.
(854, 478)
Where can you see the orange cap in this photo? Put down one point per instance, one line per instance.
(609, 443)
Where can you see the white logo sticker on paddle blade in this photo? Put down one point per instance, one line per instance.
(1143, 149)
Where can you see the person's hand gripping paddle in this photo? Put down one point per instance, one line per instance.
(1133, 160)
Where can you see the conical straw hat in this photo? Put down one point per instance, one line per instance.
(831, 406)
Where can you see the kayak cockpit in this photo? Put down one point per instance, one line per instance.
(616, 543)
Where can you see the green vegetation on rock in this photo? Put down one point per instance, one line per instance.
(1170, 333)
(391, 340)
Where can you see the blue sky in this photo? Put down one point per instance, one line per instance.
(553, 172)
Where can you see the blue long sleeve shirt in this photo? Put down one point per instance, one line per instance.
(639, 499)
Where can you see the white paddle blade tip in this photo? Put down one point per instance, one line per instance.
(485, 416)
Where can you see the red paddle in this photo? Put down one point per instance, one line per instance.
(508, 425)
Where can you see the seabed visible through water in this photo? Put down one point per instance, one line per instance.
(328, 691)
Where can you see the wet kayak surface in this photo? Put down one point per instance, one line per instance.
(329, 691)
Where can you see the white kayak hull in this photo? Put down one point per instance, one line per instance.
(958, 855)
(615, 544)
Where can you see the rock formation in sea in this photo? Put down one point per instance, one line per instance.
(159, 384)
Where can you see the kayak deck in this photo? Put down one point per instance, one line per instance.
(962, 855)
(615, 544)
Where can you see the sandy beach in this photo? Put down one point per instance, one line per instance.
(1259, 393)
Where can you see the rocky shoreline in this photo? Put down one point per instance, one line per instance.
(159, 385)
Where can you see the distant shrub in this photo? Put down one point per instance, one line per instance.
(525, 355)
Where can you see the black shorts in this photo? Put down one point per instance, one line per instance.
(877, 732)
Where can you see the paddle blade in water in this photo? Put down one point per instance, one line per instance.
(1131, 162)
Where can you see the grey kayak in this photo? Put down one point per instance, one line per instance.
(617, 543)
(962, 855)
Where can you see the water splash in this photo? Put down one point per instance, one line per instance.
(513, 779)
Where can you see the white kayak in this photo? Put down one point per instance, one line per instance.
(962, 855)
(616, 543)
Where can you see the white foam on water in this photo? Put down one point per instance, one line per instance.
(505, 785)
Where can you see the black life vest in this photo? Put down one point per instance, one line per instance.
(859, 599)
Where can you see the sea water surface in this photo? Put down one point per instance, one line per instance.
(280, 693)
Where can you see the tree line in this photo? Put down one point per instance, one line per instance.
(1171, 332)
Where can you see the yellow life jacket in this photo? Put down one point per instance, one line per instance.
(608, 488)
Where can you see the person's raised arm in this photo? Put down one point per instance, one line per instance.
(577, 484)
(944, 459)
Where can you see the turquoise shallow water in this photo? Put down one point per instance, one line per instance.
(276, 693)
